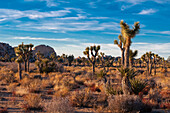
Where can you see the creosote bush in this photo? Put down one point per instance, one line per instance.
(124, 104)
(83, 99)
(58, 105)
(32, 102)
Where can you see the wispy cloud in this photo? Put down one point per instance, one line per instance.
(141, 1)
(147, 12)
(10, 14)
(49, 39)
(156, 32)
(58, 26)
(49, 3)
(131, 3)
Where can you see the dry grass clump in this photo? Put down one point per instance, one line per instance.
(46, 83)
(21, 91)
(32, 85)
(125, 104)
(12, 87)
(58, 105)
(32, 102)
(12, 66)
(7, 75)
(35, 86)
(61, 91)
(83, 99)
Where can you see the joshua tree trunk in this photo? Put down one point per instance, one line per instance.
(28, 65)
(93, 64)
(150, 69)
(19, 71)
(122, 56)
(155, 69)
(126, 85)
(25, 63)
(69, 63)
(127, 48)
(147, 69)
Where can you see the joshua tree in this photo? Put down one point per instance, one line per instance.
(101, 58)
(109, 62)
(128, 34)
(156, 59)
(25, 51)
(53, 56)
(148, 59)
(131, 56)
(94, 53)
(38, 61)
(70, 59)
(28, 54)
(83, 60)
(121, 45)
(19, 60)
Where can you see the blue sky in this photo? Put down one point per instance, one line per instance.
(69, 26)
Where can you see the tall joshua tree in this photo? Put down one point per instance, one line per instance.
(25, 51)
(93, 50)
(121, 45)
(19, 60)
(128, 34)
(28, 54)
(131, 56)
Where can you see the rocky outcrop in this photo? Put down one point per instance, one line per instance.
(45, 50)
(6, 49)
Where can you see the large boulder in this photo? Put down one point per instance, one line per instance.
(6, 49)
(45, 50)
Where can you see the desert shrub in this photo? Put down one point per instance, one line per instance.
(12, 87)
(101, 74)
(61, 91)
(47, 83)
(25, 81)
(21, 91)
(3, 110)
(34, 86)
(137, 85)
(9, 66)
(111, 91)
(9, 78)
(58, 105)
(83, 99)
(131, 73)
(124, 104)
(32, 102)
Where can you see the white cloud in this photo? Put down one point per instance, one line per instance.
(141, 1)
(110, 49)
(147, 12)
(49, 3)
(157, 32)
(10, 14)
(49, 39)
(68, 25)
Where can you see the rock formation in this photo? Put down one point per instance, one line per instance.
(6, 49)
(45, 50)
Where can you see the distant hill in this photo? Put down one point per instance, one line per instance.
(6, 49)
